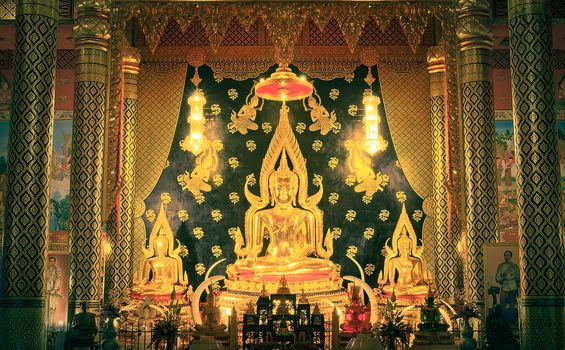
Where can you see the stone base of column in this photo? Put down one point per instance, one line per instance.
(542, 321)
(23, 323)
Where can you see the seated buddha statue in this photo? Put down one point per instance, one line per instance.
(288, 215)
(161, 270)
(404, 266)
(291, 231)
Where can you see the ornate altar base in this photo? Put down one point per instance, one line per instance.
(326, 299)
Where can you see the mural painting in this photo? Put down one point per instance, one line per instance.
(506, 176)
(60, 167)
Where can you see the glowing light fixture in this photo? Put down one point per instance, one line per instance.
(371, 121)
(194, 142)
(284, 85)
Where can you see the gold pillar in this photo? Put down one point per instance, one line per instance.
(22, 305)
(91, 70)
(540, 226)
(119, 265)
(448, 261)
(481, 215)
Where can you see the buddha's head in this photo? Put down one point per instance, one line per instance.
(161, 245)
(404, 243)
(283, 184)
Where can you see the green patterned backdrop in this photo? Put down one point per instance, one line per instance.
(361, 223)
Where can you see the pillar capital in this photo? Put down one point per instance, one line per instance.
(436, 59)
(474, 27)
(92, 29)
(130, 60)
(48, 8)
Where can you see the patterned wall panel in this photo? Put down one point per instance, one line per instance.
(236, 35)
(195, 35)
(160, 92)
(86, 192)
(373, 35)
(542, 248)
(331, 35)
(22, 305)
(408, 111)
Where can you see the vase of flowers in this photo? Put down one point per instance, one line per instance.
(393, 331)
(467, 311)
(166, 330)
(110, 313)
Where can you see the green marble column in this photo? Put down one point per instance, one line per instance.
(540, 226)
(481, 193)
(119, 266)
(448, 261)
(85, 226)
(22, 305)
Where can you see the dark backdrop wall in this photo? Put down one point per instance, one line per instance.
(361, 225)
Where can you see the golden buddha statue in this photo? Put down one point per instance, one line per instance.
(161, 270)
(404, 266)
(288, 215)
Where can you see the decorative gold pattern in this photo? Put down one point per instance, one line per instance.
(478, 131)
(22, 305)
(540, 225)
(85, 224)
(405, 93)
(161, 85)
(284, 21)
(119, 265)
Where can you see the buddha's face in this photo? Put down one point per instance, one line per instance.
(284, 190)
(161, 247)
(404, 245)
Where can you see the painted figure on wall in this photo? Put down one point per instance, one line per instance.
(508, 276)
(4, 93)
(60, 176)
(53, 286)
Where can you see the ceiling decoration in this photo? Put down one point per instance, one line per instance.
(284, 21)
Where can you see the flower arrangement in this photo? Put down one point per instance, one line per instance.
(393, 330)
(466, 310)
(166, 330)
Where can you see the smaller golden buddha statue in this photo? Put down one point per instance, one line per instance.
(404, 266)
(161, 270)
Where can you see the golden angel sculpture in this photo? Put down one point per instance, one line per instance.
(290, 218)
(404, 267)
(161, 269)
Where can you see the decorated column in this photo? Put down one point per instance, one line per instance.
(540, 227)
(85, 227)
(22, 305)
(448, 261)
(119, 266)
(477, 109)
